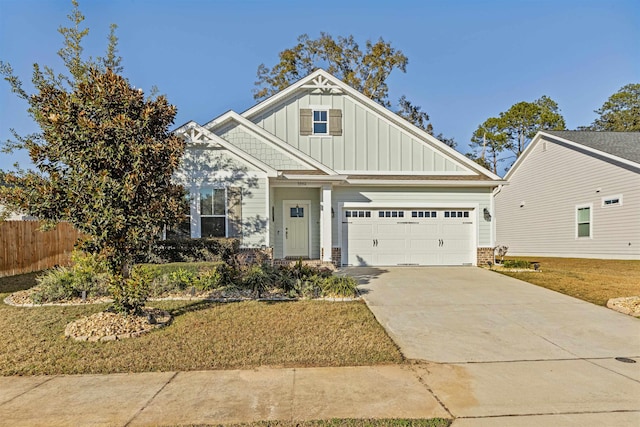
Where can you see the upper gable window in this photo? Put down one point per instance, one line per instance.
(320, 122)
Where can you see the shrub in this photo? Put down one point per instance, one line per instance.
(191, 250)
(339, 286)
(88, 273)
(55, 285)
(516, 263)
(257, 278)
(216, 277)
(130, 295)
(181, 278)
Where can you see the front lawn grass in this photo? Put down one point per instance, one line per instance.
(593, 280)
(203, 336)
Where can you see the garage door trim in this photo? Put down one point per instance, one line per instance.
(345, 206)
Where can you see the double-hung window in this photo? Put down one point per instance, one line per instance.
(213, 206)
(320, 122)
(583, 221)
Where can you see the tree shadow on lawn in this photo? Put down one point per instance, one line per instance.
(207, 304)
(20, 282)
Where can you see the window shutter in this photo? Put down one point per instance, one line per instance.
(306, 125)
(335, 122)
(235, 212)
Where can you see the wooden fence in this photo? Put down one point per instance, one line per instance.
(24, 248)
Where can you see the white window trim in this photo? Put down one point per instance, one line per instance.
(199, 209)
(617, 196)
(315, 108)
(590, 206)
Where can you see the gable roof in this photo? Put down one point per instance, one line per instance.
(320, 79)
(621, 144)
(268, 139)
(623, 147)
(213, 139)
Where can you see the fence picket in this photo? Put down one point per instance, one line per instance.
(24, 248)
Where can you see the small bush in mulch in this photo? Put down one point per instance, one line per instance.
(87, 276)
(516, 263)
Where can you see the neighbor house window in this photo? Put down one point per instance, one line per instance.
(583, 217)
(611, 201)
(320, 122)
(213, 220)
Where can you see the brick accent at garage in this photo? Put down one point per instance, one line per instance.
(336, 257)
(485, 255)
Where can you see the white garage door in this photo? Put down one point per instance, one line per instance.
(407, 237)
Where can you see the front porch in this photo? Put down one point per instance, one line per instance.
(300, 225)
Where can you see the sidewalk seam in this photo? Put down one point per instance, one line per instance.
(293, 394)
(27, 391)
(440, 402)
(146, 404)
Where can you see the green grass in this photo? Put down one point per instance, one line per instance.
(202, 336)
(592, 280)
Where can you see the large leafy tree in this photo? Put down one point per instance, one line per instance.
(104, 158)
(621, 112)
(513, 129)
(366, 71)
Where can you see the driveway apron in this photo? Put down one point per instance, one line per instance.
(499, 351)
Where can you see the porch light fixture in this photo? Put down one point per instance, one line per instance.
(333, 214)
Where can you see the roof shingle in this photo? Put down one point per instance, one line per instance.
(621, 144)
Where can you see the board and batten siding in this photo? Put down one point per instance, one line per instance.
(215, 168)
(536, 212)
(408, 198)
(368, 143)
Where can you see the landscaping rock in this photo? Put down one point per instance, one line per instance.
(626, 305)
(107, 326)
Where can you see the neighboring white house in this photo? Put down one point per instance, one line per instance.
(15, 216)
(573, 194)
(320, 171)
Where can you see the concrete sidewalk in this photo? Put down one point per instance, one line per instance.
(213, 397)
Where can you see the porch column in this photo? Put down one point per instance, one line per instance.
(325, 222)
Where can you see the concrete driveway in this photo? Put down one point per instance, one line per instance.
(498, 351)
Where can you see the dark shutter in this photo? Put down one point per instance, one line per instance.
(335, 122)
(234, 195)
(306, 125)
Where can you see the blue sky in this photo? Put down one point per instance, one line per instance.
(468, 60)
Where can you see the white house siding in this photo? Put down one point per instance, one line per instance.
(215, 168)
(551, 182)
(259, 149)
(407, 197)
(288, 193)
(368, 143)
